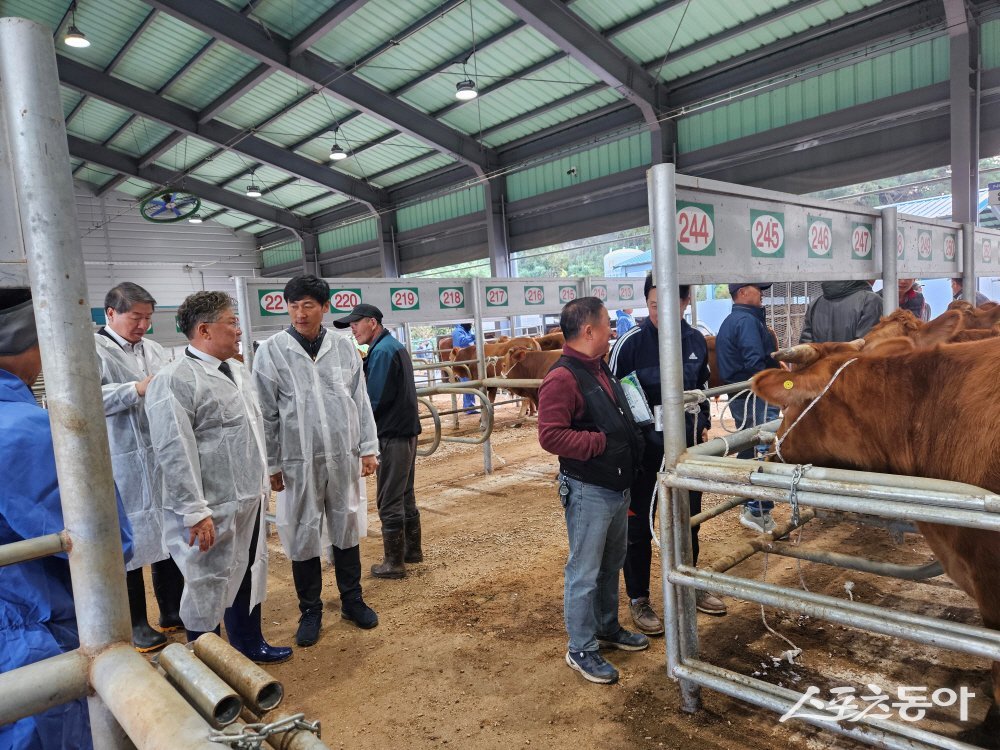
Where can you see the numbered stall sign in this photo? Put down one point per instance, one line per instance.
(767, 234)
(820, 237)
(272, 302)
(900, 244)
(451, 297)
(924, 245)
(567, 294)
(626, 292)
(344, 300)
(950, 243)
(600, 291)
(695, 228)
(862, 241)
(496, 296)
(534, 295)
(404, 298)
(987, 250)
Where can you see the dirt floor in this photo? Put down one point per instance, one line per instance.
(469, 649)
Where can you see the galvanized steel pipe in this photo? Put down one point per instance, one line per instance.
(735, 441)
(205, 690)
(40, 686)
(853, 562)
(32, 549)
(890, 273)
(260, 691)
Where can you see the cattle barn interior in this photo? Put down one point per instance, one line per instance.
(484, 162)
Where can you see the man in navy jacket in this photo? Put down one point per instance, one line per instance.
(743, 348)
(638, 351)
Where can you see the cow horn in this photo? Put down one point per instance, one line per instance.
(801, 354)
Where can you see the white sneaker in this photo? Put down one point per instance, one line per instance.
(762, 523)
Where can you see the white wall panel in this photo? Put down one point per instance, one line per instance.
(169, 260)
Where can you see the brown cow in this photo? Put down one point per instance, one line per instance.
(985, 316)
(494, 355)
(956, 325)
(550, 341)
(920, 412)
(523, 364)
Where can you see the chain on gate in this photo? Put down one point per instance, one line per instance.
(253, 736)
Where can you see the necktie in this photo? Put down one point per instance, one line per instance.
(226, 370)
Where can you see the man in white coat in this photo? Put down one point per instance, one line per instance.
(321, 439)
(127, 362)
(207, 432)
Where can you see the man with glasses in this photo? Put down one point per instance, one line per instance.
(206, 428)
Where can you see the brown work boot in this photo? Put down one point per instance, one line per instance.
(644, 617)
(710, 604)
(392, 566)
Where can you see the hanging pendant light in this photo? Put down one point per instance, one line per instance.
(74, 37)
(466, 90)
(253, 190)
(196, 219)
(336, 152)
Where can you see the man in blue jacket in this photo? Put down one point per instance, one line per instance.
(37, 618)
(743, 348)
(462, 335)
(638, 351)
(393, 394)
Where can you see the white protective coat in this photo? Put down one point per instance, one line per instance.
(318, 422)
(209, 440)
(135, 468)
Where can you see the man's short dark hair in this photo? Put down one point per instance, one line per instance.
(685, 291)
(578, 313)
(307, 285)
(125, 296)
(649, 285)
(202, 307)
(960, 281)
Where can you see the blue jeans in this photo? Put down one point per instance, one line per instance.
(468, 400)
(597, 526)
(763, 412)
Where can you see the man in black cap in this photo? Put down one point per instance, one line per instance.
(742, 349)
(393, 395)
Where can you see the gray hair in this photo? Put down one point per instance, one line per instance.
(202, 307)
(125, 296)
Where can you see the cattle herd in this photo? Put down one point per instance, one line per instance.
(911, 398)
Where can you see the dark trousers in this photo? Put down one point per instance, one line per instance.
(397, 464)
(639, 551)
(308, 577)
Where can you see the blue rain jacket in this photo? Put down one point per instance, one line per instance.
(37, 619)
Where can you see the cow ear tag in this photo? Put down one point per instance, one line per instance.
(789, 385)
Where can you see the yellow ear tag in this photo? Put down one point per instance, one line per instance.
(789, 385)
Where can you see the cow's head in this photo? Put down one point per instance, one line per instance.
(941, 330)
(897, 323)
(512, 357)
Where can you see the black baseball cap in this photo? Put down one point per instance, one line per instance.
(733, 288)
(359, 312)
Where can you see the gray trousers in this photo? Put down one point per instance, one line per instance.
(396, 502)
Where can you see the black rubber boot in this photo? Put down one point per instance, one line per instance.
(308, 578)
(347, 568)
(144, 637)
(193, 635)
(412, 552)
(392, 566)
(168, 585)
(245, 636)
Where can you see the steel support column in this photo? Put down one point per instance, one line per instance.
(964, 159)
(494, 203)
(388, 250)
(310, 253)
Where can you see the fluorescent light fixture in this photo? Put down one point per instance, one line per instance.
(466, 90)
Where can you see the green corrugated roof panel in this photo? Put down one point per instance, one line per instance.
(48, 12)
(97, 120)
(233, 4)
(215, 73)
(436, 44)
(140, 136)
(459, 203)
(308, 117)
(136, 188)
(348, 235)
(289, 17)
(498, 61)
(162, 49)
(268, 97)
(108, 24)
(95, 175)
(891, 73)
(555, 81)
(552, 117)
(297, 192)
(351, 135)
(386, 155)
(319, 205)
(255, 228)
(70, 99)
(600, 161)
(267, 177)
(222, 167)
(287, 252)
(375, 22)
(415, 170)
(186, 152)
(234, 218)
(990, 44)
